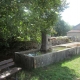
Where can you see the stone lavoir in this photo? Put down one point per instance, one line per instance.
(30, 59)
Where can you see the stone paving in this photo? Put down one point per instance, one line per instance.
(73, 44)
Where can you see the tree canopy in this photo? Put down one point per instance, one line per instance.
(61, 28)
(26, 19)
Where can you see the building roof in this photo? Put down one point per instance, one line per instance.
(77, 27)
(74, 31)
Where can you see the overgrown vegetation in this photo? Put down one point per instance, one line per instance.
(26, 19)
(65, 70)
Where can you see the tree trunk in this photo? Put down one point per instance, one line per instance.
(46, 42)
(43, 43)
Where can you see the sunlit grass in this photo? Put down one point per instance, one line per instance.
(65, 70)
(58, 48)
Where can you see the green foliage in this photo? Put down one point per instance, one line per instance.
(61, 28)
(25, 19)
(44, 13)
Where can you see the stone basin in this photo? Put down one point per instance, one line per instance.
(30, 59)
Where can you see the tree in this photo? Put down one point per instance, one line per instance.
(46, 15)
(61, 28)
(29, 19)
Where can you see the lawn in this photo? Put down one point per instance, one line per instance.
(64, 70)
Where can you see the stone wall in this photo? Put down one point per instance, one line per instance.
(31, 62)
(60, 40)
(24, 45)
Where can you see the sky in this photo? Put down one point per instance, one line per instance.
(71, 15)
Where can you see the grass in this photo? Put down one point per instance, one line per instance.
(64, 70)
(58, 48)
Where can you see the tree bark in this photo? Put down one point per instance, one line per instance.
(46, 42)
(43, 42)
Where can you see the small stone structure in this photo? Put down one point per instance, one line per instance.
(46, 42)
(31, 62)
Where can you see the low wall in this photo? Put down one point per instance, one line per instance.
(60, 40)
(31, 62)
